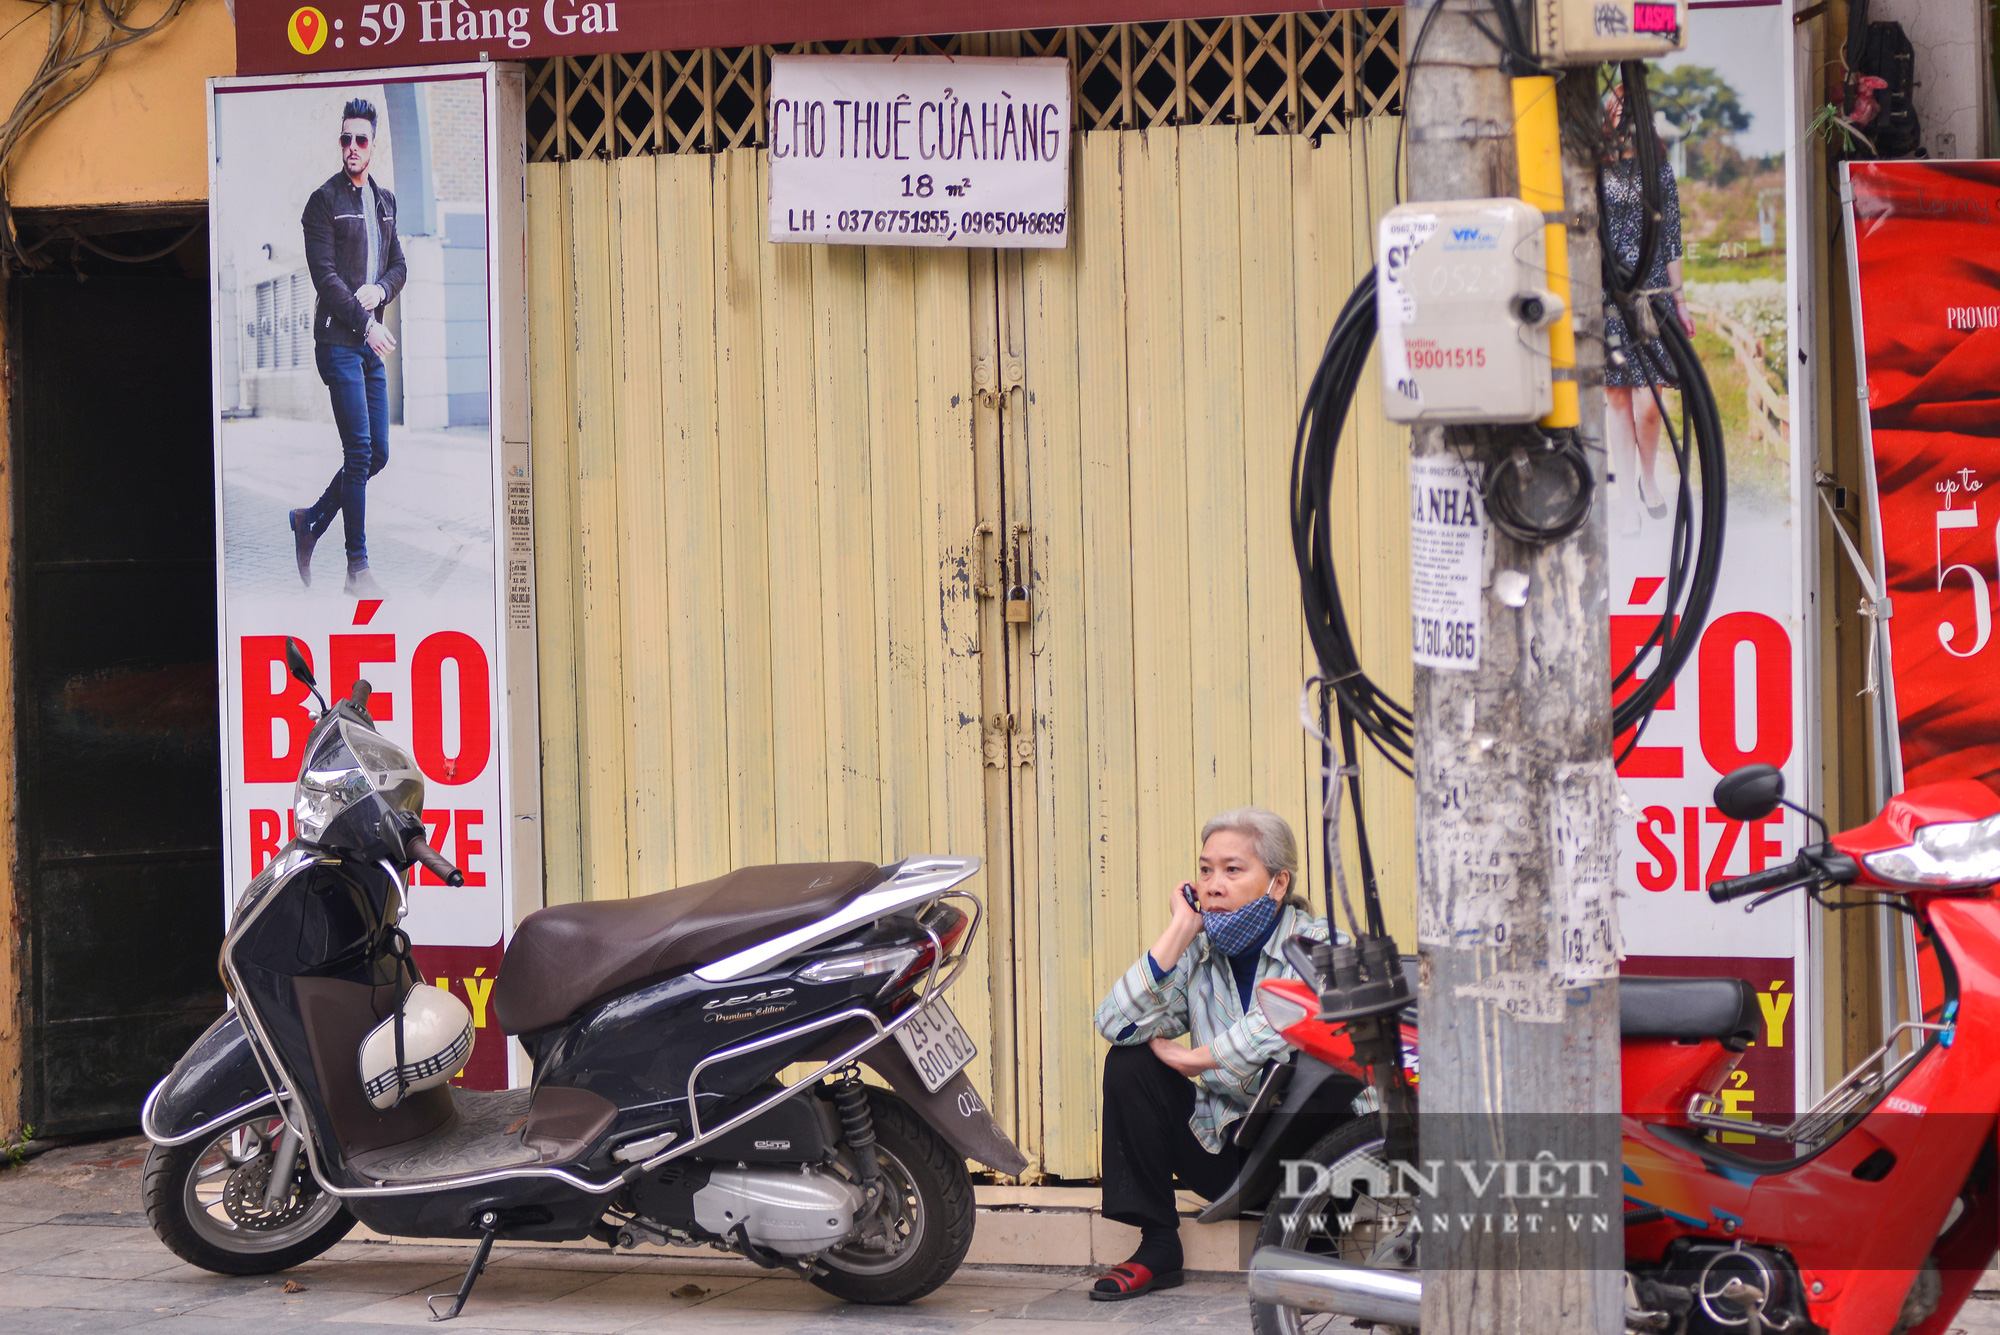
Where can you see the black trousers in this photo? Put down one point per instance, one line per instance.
(1148, 1145)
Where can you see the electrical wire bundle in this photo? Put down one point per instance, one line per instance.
(1362, 703)
(83, 34)
(1664, 353)
(1654, 328)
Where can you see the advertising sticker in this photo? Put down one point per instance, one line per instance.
(369, 431)
(1447, 563)
(1723, 118)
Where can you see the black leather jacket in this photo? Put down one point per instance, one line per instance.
(337, 258)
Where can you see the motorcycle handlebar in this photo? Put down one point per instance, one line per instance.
(421, 850)
(1796, 872)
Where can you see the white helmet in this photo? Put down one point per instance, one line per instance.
(437, 1041)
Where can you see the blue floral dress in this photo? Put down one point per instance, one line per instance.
(1624, 206)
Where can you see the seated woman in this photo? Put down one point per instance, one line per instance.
(1168, 1108)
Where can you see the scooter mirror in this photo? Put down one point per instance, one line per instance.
(295, 663)
(1751, 792)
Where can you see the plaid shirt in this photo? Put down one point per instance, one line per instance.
(1200, 996)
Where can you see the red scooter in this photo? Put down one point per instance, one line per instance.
(1887, 1211)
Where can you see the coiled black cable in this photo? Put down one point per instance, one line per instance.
(1698, 449)
(1690, 588)
(1516, 488)
(1386, 722)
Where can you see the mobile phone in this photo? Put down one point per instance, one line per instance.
(1187, 893)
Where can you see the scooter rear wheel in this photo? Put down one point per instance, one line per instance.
(1353, 1228)
(924, 1222)
(205, 1200)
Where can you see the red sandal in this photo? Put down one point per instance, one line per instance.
(1131, 1279)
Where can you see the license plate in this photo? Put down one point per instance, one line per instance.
(936, 1044)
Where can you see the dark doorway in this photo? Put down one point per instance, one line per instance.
(119, 764)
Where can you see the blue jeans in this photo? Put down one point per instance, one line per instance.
(360, 387)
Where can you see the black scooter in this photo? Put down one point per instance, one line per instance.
(657, 1027)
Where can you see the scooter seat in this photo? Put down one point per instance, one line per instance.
(566, 956)
(1687, 1008)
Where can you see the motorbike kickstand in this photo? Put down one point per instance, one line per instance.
(489, 1226)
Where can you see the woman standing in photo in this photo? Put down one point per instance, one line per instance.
(1635, 372)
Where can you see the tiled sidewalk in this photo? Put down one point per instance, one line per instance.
(76, 1255)
(68, 1277)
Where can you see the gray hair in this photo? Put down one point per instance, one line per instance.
(1268, 833)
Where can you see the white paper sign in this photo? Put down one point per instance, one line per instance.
(920, 151)
(1401, 233)
(1447, 552)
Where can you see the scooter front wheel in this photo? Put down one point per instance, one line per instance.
(923, 1228)
(1335, 1218)
(206, 1201)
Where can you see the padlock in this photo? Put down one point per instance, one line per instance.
(1017, 603)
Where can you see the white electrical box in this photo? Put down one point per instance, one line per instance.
(1463, 312)
(1584, 32)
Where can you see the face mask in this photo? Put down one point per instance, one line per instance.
(1234, 932)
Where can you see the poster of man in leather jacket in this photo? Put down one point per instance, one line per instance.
(357, 269)
(350, 245)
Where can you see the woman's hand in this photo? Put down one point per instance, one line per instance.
(1181, 931)
(1189, 1062)
(1681, 311)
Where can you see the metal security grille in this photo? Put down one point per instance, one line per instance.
(283, 327)
(265, 327)
(1276, 73)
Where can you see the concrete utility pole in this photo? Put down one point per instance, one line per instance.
(1515, 812)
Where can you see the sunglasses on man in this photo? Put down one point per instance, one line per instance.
(349, 140)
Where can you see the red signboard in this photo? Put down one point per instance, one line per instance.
(286, 37)
(1929, 310)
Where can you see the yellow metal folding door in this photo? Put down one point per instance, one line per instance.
(1148, 457)
(786, 495)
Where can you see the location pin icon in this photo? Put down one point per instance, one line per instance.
(308, 22)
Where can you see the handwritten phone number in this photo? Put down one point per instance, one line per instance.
(1433, 638)
(931, 222)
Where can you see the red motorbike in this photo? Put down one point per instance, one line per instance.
(1884, 1213)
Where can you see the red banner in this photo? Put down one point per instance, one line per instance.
(285, 37)
(1928, 296)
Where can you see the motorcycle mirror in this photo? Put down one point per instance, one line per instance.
(1751, 792)
(295, 663)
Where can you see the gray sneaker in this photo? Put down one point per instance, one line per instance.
(361, 584)
(303, 542)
